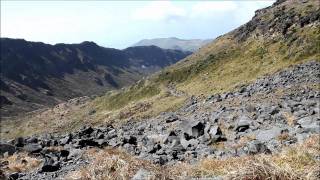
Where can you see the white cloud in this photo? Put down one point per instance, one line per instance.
(210, 8)
(159, 10)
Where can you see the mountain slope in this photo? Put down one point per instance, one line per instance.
(244, 107)
(35, 75)
(277, 37)
(174, 43)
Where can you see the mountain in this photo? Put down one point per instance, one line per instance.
(245, 106)
(35, 75)
(174, 43)
(284, 34)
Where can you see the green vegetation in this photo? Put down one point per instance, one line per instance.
(182, 74)
(120, 99)
(260, 52)
(221, 66)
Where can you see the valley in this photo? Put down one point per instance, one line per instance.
(244, 106)
(35, 75)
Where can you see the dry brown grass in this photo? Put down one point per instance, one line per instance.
(21, 162)
(113, 164)
(291, 120)
(297, 162)
(137, 108)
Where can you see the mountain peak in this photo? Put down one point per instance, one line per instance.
(174, 43)
(89, 44)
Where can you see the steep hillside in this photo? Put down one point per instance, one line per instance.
(251, 125)
(246, 106)
(36, 75)
(174, 43)
(277, 37)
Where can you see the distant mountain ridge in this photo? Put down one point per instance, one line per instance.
(35, 74)
(174, 43)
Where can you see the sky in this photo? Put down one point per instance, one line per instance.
(119, 24)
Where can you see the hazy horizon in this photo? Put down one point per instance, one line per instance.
(121, 24)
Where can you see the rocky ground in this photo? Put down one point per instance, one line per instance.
(274, 111)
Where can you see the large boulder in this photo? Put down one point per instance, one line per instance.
(7, 148)
(193, 129)
(19, 142)
(171, 117)
(101, 142)
(32, 140)
(75, 154)
(15, 175)
(130, 140)
(50, 165)
(172, 137)
(212, 134)
(243, 124)
(267, 135)
(32, 148)
(189, 143)
(310, 124)
(86, 131)
(65, 140)
(214, 131)
(86, 142)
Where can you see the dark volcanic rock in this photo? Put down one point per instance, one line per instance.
(19, 142)
(87, 142)
(14, 176)
(268, 123)
(50, 165)
(7, 148)
(171, 118)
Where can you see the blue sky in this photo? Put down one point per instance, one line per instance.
(119, 24)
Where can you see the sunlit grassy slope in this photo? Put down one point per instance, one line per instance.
(228, 61)
(255, 49)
